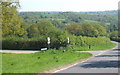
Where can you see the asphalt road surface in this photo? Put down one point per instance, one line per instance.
(104, 62)
(17, 51)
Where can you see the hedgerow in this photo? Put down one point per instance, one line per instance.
(13, 42)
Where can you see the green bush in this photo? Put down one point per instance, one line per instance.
(89, 43)
(24, 43)
(58, 41)
(115, 36)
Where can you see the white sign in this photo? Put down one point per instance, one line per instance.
(68, 39)
(48, 40)
(43, 49)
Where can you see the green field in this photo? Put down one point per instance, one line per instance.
(91, 21)
(40, 61)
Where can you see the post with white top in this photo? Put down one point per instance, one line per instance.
(68, 40)
(48, 42)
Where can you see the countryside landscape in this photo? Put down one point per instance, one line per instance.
(52, 40)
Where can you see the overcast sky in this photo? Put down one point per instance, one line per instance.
(68, 5)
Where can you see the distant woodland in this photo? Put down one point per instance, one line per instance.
(29, 30)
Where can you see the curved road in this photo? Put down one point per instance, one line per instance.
(105, 62)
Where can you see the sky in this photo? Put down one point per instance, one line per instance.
(68, 5)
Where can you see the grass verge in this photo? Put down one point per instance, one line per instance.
(92, 48)
(40, 61)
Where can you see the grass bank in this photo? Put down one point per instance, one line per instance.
(109, 45)
(40, 61)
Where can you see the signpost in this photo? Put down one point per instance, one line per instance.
(68, 40)
(43, 49)
(48, 42)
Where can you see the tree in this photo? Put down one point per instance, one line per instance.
(58, 38)
(33, 31)
(74, 28)
(40, 28)
(115, 35)
(88, 30)
(11, 22)
(45, 27)
(100, 29)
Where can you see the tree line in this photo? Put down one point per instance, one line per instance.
(107, 19)
(18, 34)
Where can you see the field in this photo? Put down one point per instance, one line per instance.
(68, 32)
(40, 61)
(93, 48)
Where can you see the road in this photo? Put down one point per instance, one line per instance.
(104, 62)
(17, 51)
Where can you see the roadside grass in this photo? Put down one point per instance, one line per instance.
(40, 61)
(92, 48)
(0, 64)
